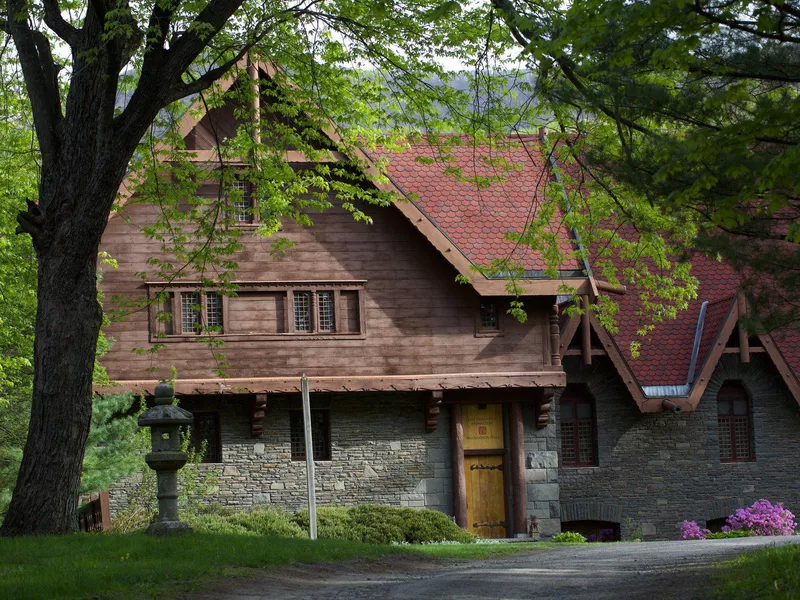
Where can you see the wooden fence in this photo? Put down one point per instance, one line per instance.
(95, 514)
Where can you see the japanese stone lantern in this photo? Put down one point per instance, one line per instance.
(166, 458)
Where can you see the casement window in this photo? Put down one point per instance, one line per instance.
(207, 429)
(259, 310)
(734, 419)
(320, 434)
(488, 318)
(242, 202)
(186, 312)
(578, 427)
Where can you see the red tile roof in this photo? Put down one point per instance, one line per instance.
(477, 220)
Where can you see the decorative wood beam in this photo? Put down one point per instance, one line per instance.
(744, 341)
(545, 378)
(543, 405)
(586, 331)
(259, 410)
(567, 334)
(518, 486)
(786, 372)
(433, 403)
(555, 337)
(457, 455)
(252, 72)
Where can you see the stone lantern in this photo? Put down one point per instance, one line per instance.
(166, 458)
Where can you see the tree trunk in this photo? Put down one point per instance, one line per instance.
(68, 320)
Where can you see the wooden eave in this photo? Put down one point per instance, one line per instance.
(787, 374)
(338, 384)
(687, 403)
(418, 218)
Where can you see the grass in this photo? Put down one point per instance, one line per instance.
(772, 572)
(136, 566)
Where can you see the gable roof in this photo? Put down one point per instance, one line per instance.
(678, 357)
(478, 220)
(466, 242)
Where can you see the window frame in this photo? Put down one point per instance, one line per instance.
(729, 391)
(197, 442)
(254, 221)
(480, 330)
(578, 391)
(287, 288)
(326, 426)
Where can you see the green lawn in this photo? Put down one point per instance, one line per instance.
(138, 566)
(767, 573)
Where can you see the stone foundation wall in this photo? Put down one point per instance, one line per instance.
(379, 453)
(655, 470)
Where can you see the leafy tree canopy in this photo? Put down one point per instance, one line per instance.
(689, 108)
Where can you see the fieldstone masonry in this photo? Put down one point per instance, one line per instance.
(379, 453)
(655, 470)
(663, 468)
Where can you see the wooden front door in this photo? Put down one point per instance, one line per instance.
(484, 470)
(486, 505)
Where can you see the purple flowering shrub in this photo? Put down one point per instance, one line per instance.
(762, 518)
(691, 531)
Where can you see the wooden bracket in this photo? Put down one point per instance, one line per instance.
(433, 404)
(543, 404)
(257, 419)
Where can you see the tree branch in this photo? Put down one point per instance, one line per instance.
(54, 20)
(38, 68)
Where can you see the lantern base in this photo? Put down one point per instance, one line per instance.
(168, 528)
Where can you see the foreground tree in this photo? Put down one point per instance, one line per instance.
(77, 60)
(688, 107)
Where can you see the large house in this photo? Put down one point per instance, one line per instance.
(426, 393)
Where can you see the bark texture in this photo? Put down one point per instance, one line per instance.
(85, 146)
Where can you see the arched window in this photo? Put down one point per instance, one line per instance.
(735, 423)
(578, 427)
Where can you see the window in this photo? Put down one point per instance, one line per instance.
(206, 429)
(185, 312)
(327, 315)
(735, 423)
(578, 427)
(320, 434)
(214, 311)
(190, 312)
(488, 315)
(258, 311)
(488, 318)
(302, 311)
(242, 202)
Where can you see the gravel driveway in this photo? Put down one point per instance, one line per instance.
(652, 570)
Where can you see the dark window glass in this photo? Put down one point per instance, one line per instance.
(320, 434)
(489, 315)
(578, 427)
(206, 429)
(327, 315)
(243, 202)
(302, 311)
(214, 311)
(734, 420)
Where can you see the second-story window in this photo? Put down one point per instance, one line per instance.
(190, 312)
(578, 427)
(302, 311)
(271, 310)
(327, 314)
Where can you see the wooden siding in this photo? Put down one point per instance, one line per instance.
(418, 320)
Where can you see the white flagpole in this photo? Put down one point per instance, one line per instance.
(312, 495)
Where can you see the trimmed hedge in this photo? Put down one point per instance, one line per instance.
(368, 523)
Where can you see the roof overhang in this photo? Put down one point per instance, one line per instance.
(355, 383)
